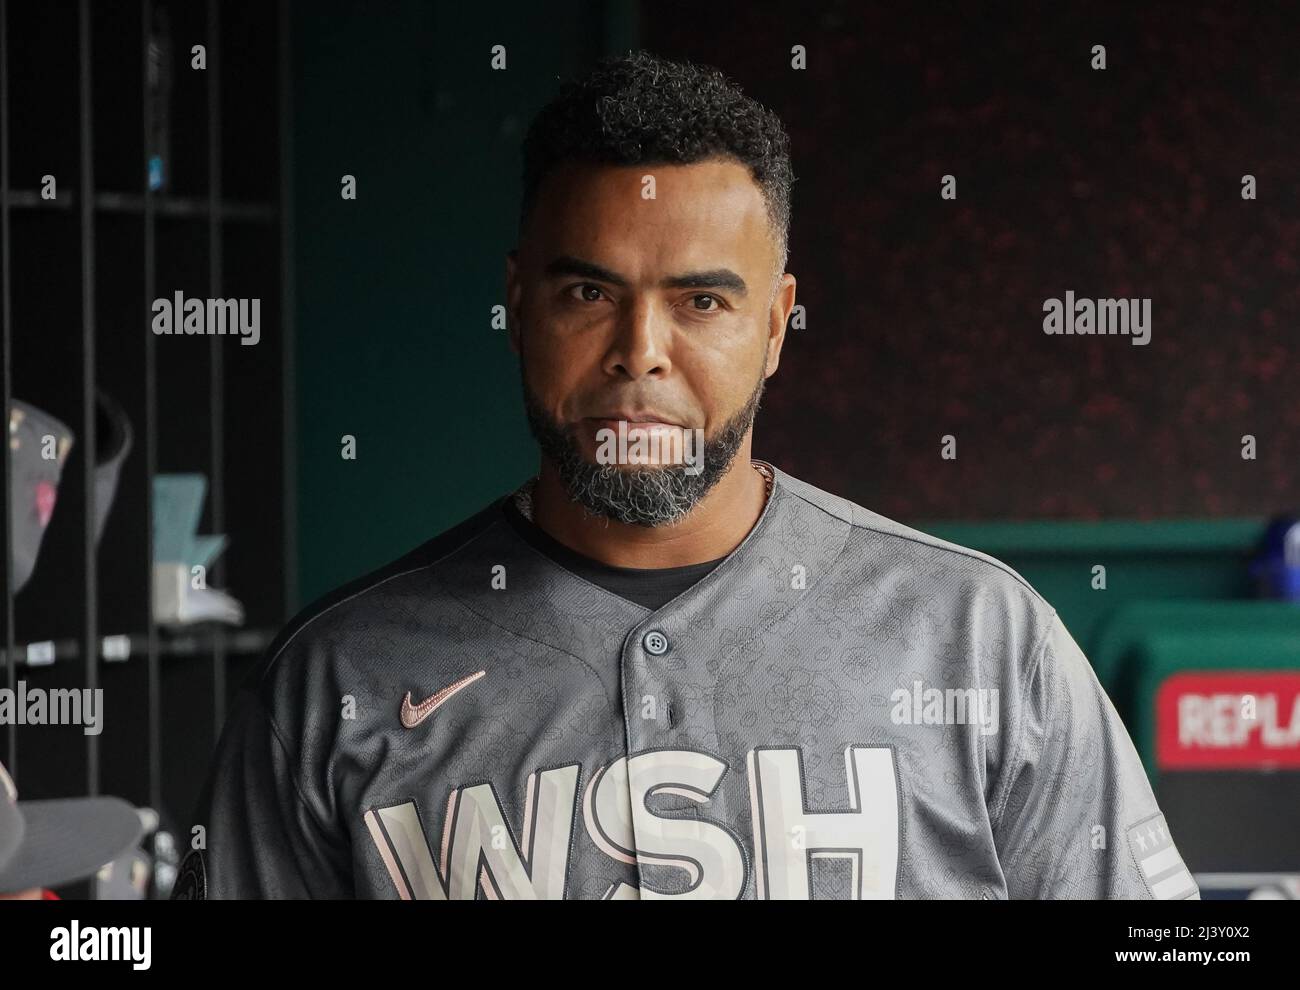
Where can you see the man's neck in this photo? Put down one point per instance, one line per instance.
(714, 528)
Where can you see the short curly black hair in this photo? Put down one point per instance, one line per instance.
(639, 109)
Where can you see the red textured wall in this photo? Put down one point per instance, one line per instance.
(925, 316)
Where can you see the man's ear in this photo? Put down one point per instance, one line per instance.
(778, 320)
(514, 293)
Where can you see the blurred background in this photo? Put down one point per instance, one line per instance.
(923, 319)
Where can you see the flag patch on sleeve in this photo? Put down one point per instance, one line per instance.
(191, 881)
(1157, 858)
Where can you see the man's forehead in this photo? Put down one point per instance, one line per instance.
(686, 213)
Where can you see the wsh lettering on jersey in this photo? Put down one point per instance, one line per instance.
(789, 842)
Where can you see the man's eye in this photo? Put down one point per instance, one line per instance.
(587, 292)
(707, 299)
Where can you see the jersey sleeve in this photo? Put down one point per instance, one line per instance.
(1078, 816)
(263, 839)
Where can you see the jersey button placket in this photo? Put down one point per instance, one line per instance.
(656, 644)
(645, 674)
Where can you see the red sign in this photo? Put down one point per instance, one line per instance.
(1236, 719)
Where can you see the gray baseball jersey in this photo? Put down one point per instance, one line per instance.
(843, 708)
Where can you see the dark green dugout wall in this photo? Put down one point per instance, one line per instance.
(395, 289)
(1143, 560)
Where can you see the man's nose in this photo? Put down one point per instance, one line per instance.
(642, 338)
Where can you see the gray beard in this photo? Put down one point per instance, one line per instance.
(639, 495)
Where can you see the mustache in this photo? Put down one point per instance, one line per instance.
(724, 435)
(634, 411)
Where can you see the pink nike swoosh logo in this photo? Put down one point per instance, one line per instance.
(413, 715)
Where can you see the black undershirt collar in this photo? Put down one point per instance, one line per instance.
(649, 587)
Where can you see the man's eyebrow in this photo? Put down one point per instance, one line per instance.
(566, 265)
(715, 278)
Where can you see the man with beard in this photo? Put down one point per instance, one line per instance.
(659, 680)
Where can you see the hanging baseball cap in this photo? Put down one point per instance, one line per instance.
(11, 822)
(50, 843)
(39, 444)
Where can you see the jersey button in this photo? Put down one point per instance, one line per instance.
(655, 643)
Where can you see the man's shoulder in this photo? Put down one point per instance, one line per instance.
(368, 605)
(876, 542)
